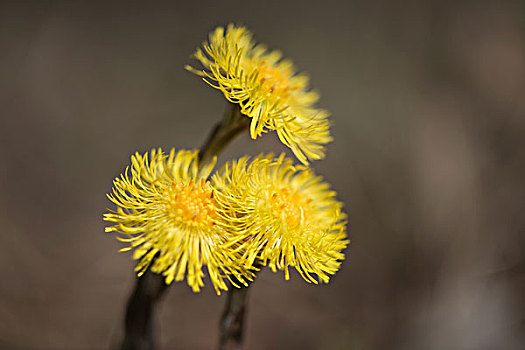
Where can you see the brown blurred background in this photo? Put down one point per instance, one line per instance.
(428, 104)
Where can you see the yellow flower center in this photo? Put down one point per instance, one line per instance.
(275, 80)
(292, 207)
(192, 203)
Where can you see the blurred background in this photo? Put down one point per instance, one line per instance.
(428, 105)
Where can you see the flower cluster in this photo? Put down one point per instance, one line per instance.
(185, 221)
(166, 210)
(266, 211)
(268, 89)
(282, 216)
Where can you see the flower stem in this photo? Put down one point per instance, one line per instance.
(232, 321)
(140, 312)
(232, 124)
(231, 327)
(150, 287)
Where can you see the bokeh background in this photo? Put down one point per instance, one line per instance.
(428, 104)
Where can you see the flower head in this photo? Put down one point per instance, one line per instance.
(267, 88)
(282, 215)
(166, 210)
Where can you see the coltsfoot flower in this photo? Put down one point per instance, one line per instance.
(166, 211)
(281, 215)
(267, 88)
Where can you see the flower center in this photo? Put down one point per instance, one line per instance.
(192, 203)
(290, 206)
(275, 80)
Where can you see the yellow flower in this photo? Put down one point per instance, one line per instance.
(281, 215)
(267, 88)
(166, 209)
